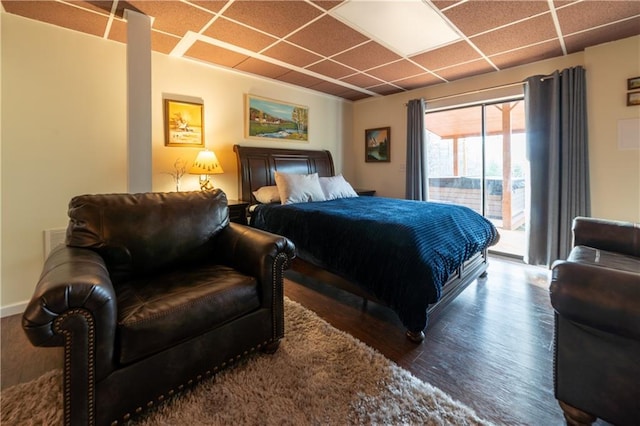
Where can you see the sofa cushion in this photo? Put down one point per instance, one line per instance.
(161, 310)
(140, 233)
(608, 259)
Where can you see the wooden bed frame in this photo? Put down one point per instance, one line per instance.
(256, 167)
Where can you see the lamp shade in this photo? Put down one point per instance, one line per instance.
(206, 163)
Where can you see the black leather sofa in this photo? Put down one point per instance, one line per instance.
(596, 297)
(152, 293)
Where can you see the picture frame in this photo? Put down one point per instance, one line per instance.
(633, 98)
(183, 123)
(273, 120)
(633, 83)
(377, 145)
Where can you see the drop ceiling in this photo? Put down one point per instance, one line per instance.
(317, 45)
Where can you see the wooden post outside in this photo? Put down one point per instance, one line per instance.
(455, 156)
(506, 166)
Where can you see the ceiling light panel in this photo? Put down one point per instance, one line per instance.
(406, 26)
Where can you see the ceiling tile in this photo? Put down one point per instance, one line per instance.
(173, 17)
(103, 7)
(386, 89)
(330, 69)
(265, 69)
(60, 14)
(224, 30)
(274, 17)
(354, 95)
(330, 88)
(160, 42)
(396, 70)
(522, 34)
(366, 56)
(465, 70)
(417, 81)
(538, 52)
(118, 31)
(443, 4)
(212, 5)
(578, 42)
(294, 55)
(361, 80)
(445, 56)
(560, 3)
(474, 17)
(326, 4)
(214, 54)
(299, 79)
(583, 15)
(163, 43)
(327, 36)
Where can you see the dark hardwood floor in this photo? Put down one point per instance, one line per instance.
(491, 348)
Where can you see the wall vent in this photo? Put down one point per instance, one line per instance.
(53, 237)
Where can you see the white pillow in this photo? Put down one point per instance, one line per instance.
(336, 187)
(267, 194)
(298, 188)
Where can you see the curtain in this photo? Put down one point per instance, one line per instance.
(416, 180)
(557, 150)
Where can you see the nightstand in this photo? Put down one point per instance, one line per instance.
(238, 211)
(365, 192)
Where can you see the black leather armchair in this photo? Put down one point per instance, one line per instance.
(152, 293)
(596, 297)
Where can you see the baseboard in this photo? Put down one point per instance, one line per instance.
(16, 308)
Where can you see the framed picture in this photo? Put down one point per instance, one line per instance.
(377, 145)
(633, 98)
(633, 83)
(268, 119)
(183, 123)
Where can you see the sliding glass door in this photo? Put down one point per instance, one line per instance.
(476, 157)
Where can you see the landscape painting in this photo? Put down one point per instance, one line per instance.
(184, 123)
(377, 144)
(271, 119)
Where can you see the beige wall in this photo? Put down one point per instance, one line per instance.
(64, 131)
(615, 175)
(223, 94)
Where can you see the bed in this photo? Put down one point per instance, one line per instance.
(384, 249)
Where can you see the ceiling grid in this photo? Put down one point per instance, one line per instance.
(309, 44)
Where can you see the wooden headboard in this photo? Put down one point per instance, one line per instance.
(257, 165)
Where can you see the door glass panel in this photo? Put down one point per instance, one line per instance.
(454, 156)
(482, 167)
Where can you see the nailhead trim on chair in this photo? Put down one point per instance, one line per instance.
(555, 352)
(126, 417)
(281, 262)
(68, 344)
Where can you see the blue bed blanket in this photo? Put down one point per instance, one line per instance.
(400, 251)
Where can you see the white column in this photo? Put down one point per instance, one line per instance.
(139, 101)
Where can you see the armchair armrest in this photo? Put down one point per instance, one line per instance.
(610, 235)
(263, 255)
(74, 306)
(254, 252)
(603, 298)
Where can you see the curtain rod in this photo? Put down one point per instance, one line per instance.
(486, 89)
(471, 92)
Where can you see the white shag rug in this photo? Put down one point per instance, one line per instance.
(318, 376)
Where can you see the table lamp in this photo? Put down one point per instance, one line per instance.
(205, 164)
